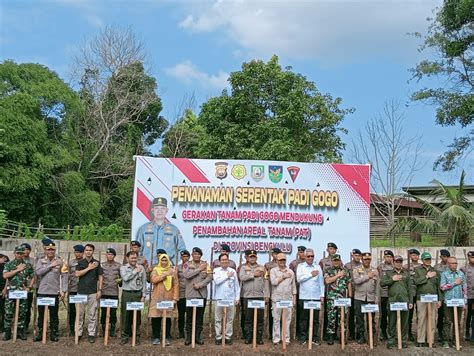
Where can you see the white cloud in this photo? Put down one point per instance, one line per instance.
(188, 73)
(87, 8)
(328, 30)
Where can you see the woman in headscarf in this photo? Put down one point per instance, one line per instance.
(165, 288)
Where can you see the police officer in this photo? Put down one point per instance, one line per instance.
(413, 263)
(136, 246)
(225, 250)
(268, 267)
(254, 286)
(365, 280)
(398, 282)
(160, 232)
(197, 276)
(52, 273)
(326, 263)
(300, 258)
(182, 292)
(110, 288)
(355, 262)
(468, 271)
(383, 268)
(337, 279)
(3, 289)
(73, 281)
(20, 276)
(441, 267)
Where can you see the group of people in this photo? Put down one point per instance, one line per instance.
(278, 280)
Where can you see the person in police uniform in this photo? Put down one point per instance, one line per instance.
(356, 257)
(52, 273)
(383, 268)
(441, 267)
(468, 271)
(136, 246)
(268, 267)
(73, 282)
(225, 250)
(160, 232)
(182, 292)
(414, 256)
(365, 279)
(110, 288)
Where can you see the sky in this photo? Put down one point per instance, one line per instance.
(359, 50)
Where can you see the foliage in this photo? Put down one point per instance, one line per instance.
(426, 241)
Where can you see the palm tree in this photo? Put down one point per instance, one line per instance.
(449, 211)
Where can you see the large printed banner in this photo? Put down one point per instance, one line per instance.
(182, 203)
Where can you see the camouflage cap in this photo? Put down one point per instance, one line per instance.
(19, 249)
(336, 257)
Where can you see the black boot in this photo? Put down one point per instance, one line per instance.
(7, 336)
(39, 336)
(53, 336)
(102, 331)
(112, 330)
(21, 334)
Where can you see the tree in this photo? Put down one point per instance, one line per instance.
(451, 37)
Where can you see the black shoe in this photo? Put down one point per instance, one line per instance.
(21, 334)
(361, 341)
(420, 344)
(330, 341)
(124, 341)
(248, 341)
(228, 341)
(404, 346)
(218, 341)
(411, 337)
(383, 336)
(259, 341)
(91, 339)
(53, 336)
(112, 330)
(199, 341)
(7, 336)
(181, 335)
(389, 346)
(187, 342)
(38, 337)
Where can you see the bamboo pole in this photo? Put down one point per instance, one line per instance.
(399, 330)
(45, 324)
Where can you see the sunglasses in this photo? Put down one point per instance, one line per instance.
(282, 260)
(311, 256)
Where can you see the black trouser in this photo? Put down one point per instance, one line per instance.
(249, 319)
(469, 316)
(304, 323)
(360, 324)
(298, 311)
(410, 317)
(242, 318)
(28, 309)
(113, 312)
(72, 315)
(181, 316)
(53, 314)
(199, 321)
(439, 324)
(325, 318)
(156, 327)
(270, 320)
(2, 309)
(384, 305)
(352, 320)
(130, 296)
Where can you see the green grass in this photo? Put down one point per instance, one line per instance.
(426, 241)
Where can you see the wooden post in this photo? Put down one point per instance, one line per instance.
(310, 332)
(107, 325)
(163, 329)
(76, 324)
(430, 329)
(371, 332)
(254, 336)
(224, 321)
(193, 330)
(15, 321)
(45, 324)
(134, 328)
(283, 329)
(456, 328)
(343, 329)
(399, 330)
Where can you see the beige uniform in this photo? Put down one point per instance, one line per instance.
(193, 275)
(111, 274)
(52, 279)
(366, 289)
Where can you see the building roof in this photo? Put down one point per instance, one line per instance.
(402, 201)
(425, 192)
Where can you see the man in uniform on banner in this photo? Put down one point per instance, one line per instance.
(468, 271)
(225, 250)
(383, 268)
(73, 282)
(300, 258)
(110, 288)
(356, 256)
(414, 256)
(160, 232)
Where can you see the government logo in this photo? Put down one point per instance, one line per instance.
(221, 170)
(293, 170)
(238, 171)
(258, 172)
(275, 173)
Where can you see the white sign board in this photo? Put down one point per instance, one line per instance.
(46, 301)
(135, 306)
(312, 305)
(17, 294)
(78, 299)
(428, 298)
(342, 302)
(109, 303)
(165, 304)
(370, 308)
(455, 302)
(225, 303)
(284, 304)
(256, 304)
(398, 306)
(195, 303)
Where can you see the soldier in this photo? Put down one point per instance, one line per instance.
(52, 274)
(73, 281)
(441, 267)
(20, 276)
(356, 256)
(337, 279)
(365, 279)
(326, 263)
(160, 232)
(198, 275)
(383, 268)
(27, 258)
(268, 266)
(110, 288)
(398, 282)
(427, 282)
(225, 250)
(311, 280)
(182, 292)
(254, 286)
(3, 289)
(468, 271)
(300, 258)
(414, 256)
(136, 246)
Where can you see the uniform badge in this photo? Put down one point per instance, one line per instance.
(258, 172)
(221, 170)
(168, 230)
(293, 170)
(275, 173)
(238, 171)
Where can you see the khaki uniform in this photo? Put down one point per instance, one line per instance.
(469, 273)
(413, 266)
(110, 290)
(383, 269)
(182, 299)
(350, 267)
(73, 282)
(366, 291)
(268, 267)
(285, 290)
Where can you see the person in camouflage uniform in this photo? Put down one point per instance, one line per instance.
(337, 279)
(20, 276)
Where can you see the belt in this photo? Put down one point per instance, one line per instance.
(132, 291)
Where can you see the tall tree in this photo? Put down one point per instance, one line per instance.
(450, 37)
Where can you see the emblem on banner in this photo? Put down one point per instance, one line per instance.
(258, 173)
(275, 173)
(238, 171)
(221, 170)
(293, 170)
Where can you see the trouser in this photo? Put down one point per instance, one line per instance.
(242, 318)
(304, 323)
(469, 316)
(449, 322)
(277, 324)
(384, 305)
(325, 318)
(28, 309)
(422, 320)
(410, 316)
(127, 315)
(249, 312)
(10, 313)
(351, 321)
(440, 322)
(334, 317)
(199, 321)
(181, 316)
(229, 322)
(72, 315)
(53, 314)
(298, 317)
(361, 327)
(91, 306)
(392, 327)
(156, 324)
(270, 321)
(113, 312)
(2, 310)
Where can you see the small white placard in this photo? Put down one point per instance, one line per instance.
(46, 301)
(109, 303)
(225, 303)
(428, 298)
(256, 304)
(195, 303)
(370, 308)
(135, 306)
(398, 306)
(284, 304)
(17, 294)
(312, 305)
(165, 304)
(342, 302)
(455, 302)
(78, 299)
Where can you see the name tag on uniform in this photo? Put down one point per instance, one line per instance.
(455, 302)
(78, 299)
(312, 305)
(195, 303)
(284, 304)
(17, 294)
(225, 303)
(108, 303)
(342, 302)
(370, 308)
(398, 306)
(46, 301)
(135, 306)
(428, 298)
(256, 304)
(165, 304)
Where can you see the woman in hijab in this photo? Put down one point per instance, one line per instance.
(165, 288)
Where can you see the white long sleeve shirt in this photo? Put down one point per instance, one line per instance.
(311, 288)
(227, 288)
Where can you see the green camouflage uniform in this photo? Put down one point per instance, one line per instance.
(335, 290)
(19, 281)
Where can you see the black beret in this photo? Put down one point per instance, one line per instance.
(414, 250)
(46, 241)
(470, 254)
(332, 244)
(276, 250)
(78, 248)
(198, 250)
(26, 246)
(112, 251)
(185, 253)
(356, 251)
(388, 253)
(161, 251)
(250, 253)
(225, 247)
(301, 248)
(160, 201)
(136, 243)
(366, 255)
(444, 253)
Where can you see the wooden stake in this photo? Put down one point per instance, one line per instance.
(456, 328)
(15, 321)
(134, 328)
(399, 330)
(107, 326)
(371, 332)
(224, 326)
(430, 334)
(343, 329)
(310, 332)
(163, 329)
(76, 324)
(283, 329)
(45, 324)
(193, 330)
(254, 336)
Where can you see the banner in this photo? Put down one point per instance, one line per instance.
(182, 203)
